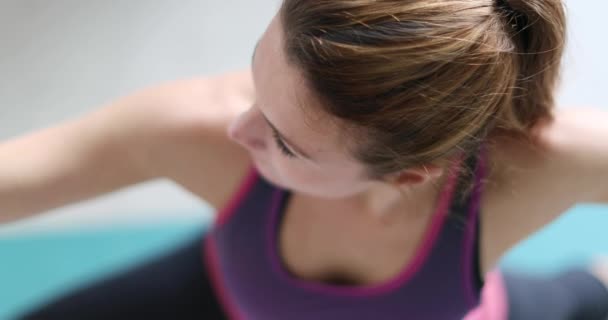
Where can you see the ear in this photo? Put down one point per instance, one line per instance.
(417, 175)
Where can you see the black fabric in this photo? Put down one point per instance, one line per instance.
(460, 209)
(477, 273)
(174, 285)
(574, 295)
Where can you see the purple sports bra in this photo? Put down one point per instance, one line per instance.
(440, 282)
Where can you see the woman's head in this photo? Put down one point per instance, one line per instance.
(395, 90)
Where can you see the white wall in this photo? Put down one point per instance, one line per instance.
(586, 67)
(62, 58)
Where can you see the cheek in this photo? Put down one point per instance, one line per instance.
(276, 171)
(321, 183)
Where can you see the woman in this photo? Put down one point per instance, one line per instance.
(380, 157)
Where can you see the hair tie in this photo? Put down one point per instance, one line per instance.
(513, 16)
(504, 5)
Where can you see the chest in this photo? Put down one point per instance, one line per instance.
(333, 246)
(321, 242)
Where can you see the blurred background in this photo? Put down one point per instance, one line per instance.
(64, 58)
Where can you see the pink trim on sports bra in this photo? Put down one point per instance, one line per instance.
(386, 287)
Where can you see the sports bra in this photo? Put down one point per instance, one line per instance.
(441, 281)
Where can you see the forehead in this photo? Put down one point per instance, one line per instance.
(284, 98)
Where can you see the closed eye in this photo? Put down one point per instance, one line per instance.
(282, 147)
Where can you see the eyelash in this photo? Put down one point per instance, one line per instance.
(282, 147)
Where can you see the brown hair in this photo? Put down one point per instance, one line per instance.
(426, 79)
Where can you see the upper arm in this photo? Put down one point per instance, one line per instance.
(182, 132)
(534, 183)
(75, 160)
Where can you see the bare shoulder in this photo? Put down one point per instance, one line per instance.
(532, 183)
(187, 134)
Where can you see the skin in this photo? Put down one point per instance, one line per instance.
(331, 191)
(318, 163)
(324, 177)
(204, 133)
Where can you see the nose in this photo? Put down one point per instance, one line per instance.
(248, 129)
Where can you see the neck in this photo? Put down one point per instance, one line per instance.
(386, 203)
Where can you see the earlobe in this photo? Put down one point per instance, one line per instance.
(409, 178)
(417, 175)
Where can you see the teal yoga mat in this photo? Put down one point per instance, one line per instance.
(36, 267)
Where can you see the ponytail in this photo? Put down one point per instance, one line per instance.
(537, 29)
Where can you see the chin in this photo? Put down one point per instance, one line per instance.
(268, 174)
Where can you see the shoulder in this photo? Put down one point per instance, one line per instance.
(186, 134)
(530, 183)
